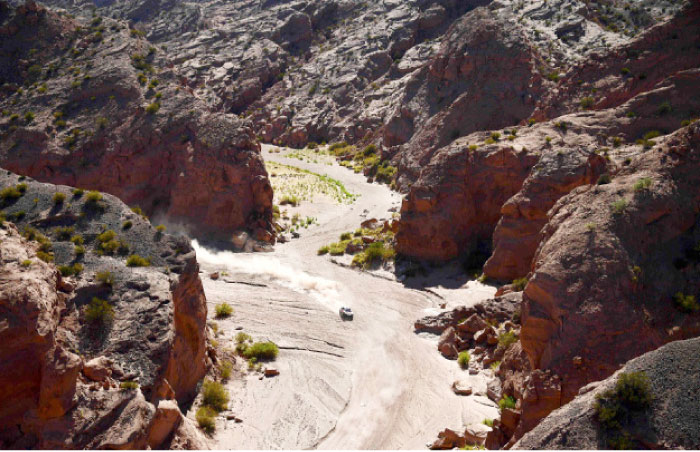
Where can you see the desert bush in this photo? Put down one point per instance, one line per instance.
(99, 312)
(642, 184)
(507, 402)
(79, 250)
(488, 422)
(44, 256)
(128, 385)
(289, 200)
(214, 395)
(686, 303)
(160, 228)
(338, 249)
(10, 193)
(345, 236)
(70, 270)
(506, 339)
(463, 359)
(137, 261)
(619, 206)
(77, 239)
(323, 250)
(93, 197)
(153, 108)
(519, 284)
(587, 102)
(127, 225)
(64, 233)
(262, 351)
(631, 393)
(223, 310)
(105, 277)
(206, 419)
(604, 179)
(225, 369)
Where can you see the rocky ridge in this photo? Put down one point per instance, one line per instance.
(99, 349)
(91, 107)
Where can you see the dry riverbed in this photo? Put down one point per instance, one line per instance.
(368, 383)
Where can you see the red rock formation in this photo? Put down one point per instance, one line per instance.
(61, 371)
(198, 169)
(604, 277)
(456, 202)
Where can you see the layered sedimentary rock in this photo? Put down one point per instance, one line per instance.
(609, 278)
(86, 104)
(103, 322)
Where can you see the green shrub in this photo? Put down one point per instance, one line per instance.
(137, 261)
(345, 236)
(291, 200)
(64, 233)
(26, 263)
(10, 193)
(664, 108)
(374, 253)
(506, 339)
(223, 310)
(160, 228)
(44, 256)
(507, 402)
(93, 197)
(619, 206)
(225, 369)
(631, 393)
(323, 250)
(338, 249)
(214, 395)
(488, 422)
(262, 351)
(243, 337)
(79, 250)
(686, 303)
(127, 225)
(604, 179)
(206, 419)
(128, 385)
(153, 108)
(105, 277)
(99, 312)
(495, 136)
(519, 284)
(463, 359)
(642, 184)
(77, 192)
(70, 270)
(587, 102)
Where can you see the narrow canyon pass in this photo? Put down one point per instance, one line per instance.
(340, 224)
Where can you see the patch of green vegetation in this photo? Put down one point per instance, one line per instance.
(508, 402)
(99, 312)
(128, 385)
(604, 179)
(323, 250)
(613, 408)
(223, 310)
(289, 200)
(26, 263)
(463, 359)
(137, 261)
(643, 184)
(377, 252)
(261, 351)
(519, 284)
(686, 303)
(488, 422)
(619, 206)
(506, 339)
(206, 419)
(587, 102)
(160, 229)
(105, 277)
(127, 225)
(225, 369)
(10, 194)
(214, 395)
(64, 233)
(153, 108)
(70, 270)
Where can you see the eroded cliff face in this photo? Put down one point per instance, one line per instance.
(86, 104)
(98, 351)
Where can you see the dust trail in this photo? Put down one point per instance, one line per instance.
(270, 268)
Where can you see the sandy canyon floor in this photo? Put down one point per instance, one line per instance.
(368, 383)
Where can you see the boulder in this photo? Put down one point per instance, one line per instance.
(98, 369)
(448, 439)
(461, 387)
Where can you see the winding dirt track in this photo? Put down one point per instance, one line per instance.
(367, 384)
